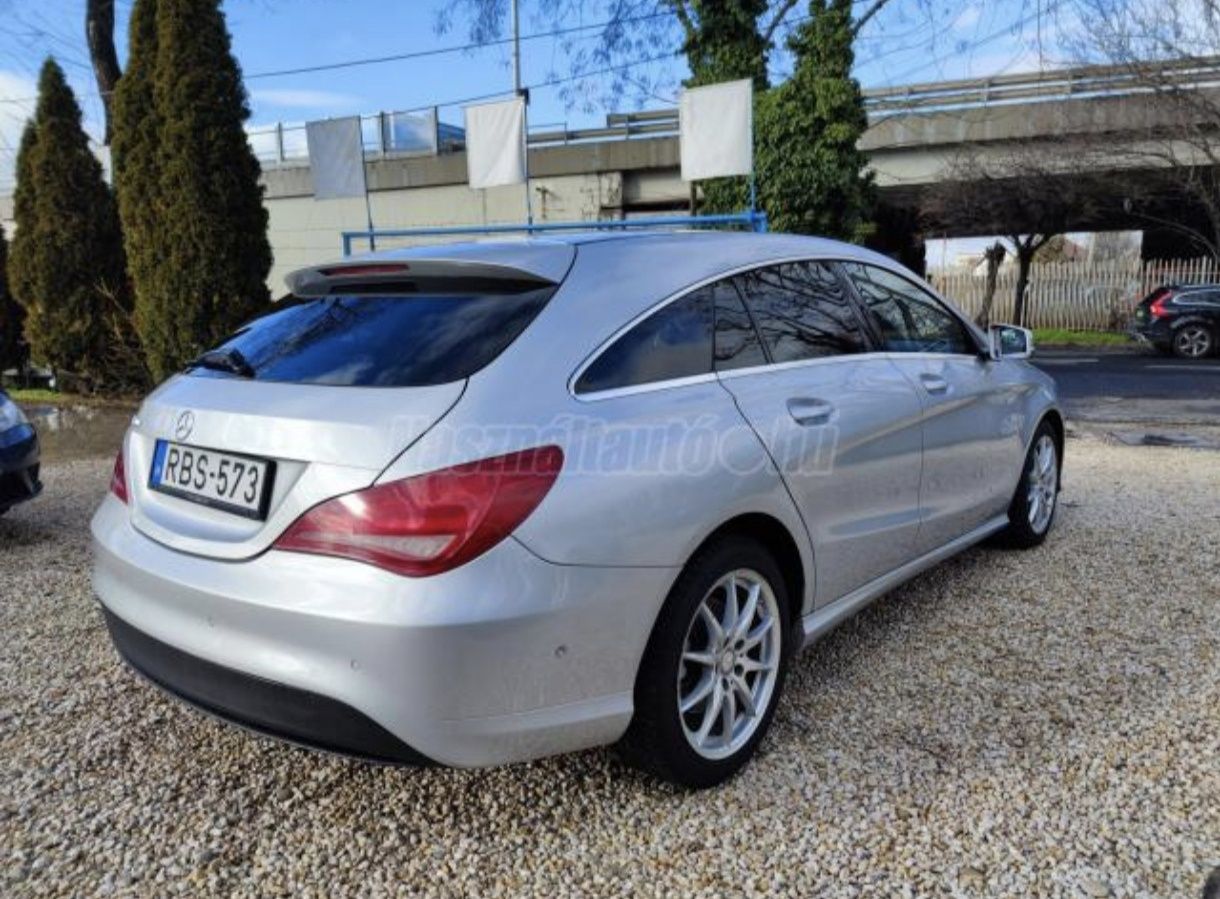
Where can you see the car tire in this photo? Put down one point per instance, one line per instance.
(1032, 510)
(742, 669)
(1194, 341)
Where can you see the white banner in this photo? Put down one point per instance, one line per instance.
(495, 143)
(716, 130)
(336, 158)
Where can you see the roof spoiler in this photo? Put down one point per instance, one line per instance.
(325, 279)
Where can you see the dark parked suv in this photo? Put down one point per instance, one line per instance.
(18, 456)
(1180, 319)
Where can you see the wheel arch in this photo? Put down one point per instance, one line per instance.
(1054, 418)
(780, 542)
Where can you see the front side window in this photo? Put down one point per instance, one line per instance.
(802, 311)
(908, 319)
(673, 342)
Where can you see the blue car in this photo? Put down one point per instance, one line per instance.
(18, 456)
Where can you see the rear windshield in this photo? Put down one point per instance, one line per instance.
(359, 340)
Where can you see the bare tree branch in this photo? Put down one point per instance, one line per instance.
(1030, 194)
(777, 19)
(99, 31)
(868, 14)
(684, 18)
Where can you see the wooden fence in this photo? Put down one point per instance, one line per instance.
(1098, 296)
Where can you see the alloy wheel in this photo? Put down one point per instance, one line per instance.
(730, 664)
(1192, 341)
(1042, 484)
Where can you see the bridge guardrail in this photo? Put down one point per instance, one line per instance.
(420, 132)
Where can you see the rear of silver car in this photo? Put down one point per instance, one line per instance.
(486, 503)
(232, 554)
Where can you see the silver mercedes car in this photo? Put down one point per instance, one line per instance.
(480, 503)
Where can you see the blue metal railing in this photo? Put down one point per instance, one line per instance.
(754, 220)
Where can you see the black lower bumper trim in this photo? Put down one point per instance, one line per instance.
(267, 707)
(19, 486)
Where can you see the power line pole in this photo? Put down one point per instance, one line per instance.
(517, 92)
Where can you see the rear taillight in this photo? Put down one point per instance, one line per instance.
(432, 522)
(118, 478)
(1157, 308)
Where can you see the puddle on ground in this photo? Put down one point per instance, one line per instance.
(78, 432)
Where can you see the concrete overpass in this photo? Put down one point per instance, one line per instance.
(630, 167)
(916, 132)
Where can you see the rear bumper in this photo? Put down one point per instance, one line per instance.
(19, 468)
(1138, 336)
(504, 659)
(286, 713)
(1155, 333)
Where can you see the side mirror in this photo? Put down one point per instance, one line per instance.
(1010, 342)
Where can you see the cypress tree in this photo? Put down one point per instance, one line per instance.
(188, 182)
(13, 352)
(811, 176)
(67, 258)
(134, 152)
(20, 276)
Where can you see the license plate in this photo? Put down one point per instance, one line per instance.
(227, 481)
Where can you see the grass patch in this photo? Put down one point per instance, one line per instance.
(1064, 337)
(39, 395)
(44, 396)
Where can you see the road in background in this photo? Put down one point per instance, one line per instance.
(1104, 387)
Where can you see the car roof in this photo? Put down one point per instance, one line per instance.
(706, 240)
(550, 256)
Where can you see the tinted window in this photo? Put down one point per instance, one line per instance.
(737, 343)
(802, 311)
(908, 319)
(1198, 298)
(673, 342)
(407, 340)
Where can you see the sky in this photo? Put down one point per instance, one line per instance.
(910, 41)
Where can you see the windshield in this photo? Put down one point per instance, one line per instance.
(357, 340)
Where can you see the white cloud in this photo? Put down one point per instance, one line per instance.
(1017, 60)
(966, 19)
(304, 99)
(13, 115)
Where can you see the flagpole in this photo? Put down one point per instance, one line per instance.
(517, 92)
(364, 179)
(368, 209)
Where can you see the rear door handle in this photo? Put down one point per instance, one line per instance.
(807, 411)
(934, 383)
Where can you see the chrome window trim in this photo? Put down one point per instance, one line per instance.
(800, 363)
(649, 387)
(595, 395)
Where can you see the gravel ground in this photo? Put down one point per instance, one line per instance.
(1009, 724)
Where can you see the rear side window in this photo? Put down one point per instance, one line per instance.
(803, 311)
(908, 318)
(1206, 298)
(673, 342)
(371, 340)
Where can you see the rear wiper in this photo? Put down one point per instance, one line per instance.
(230, 360)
